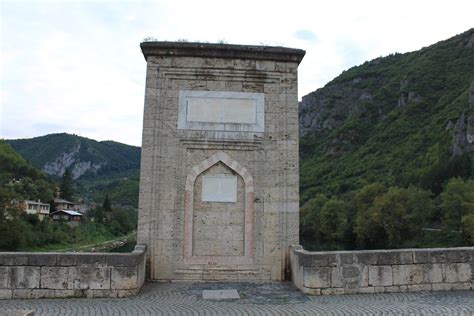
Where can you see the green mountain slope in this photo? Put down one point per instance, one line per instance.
(83, 156)
(398, 120)
(21, 180)
(94, 165)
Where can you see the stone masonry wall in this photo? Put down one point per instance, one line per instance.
(28, 275)
(218, 227)
(378, 271)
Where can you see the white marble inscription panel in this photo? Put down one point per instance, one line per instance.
(222, 110)
(219, 188)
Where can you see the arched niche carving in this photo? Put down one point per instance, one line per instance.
(232, 164)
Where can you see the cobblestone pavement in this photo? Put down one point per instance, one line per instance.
(256, 299)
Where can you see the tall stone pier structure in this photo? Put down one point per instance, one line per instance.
(219, 193)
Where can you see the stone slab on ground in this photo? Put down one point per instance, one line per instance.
(230, 294)
(18, 313)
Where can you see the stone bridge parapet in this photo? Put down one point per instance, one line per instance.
(29, 275)
(378, 271)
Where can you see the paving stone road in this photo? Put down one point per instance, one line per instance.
(256, 299)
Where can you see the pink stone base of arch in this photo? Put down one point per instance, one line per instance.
(247, 258)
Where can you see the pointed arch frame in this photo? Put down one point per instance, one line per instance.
(247, 258)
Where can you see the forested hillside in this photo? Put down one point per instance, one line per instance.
(19, 181)
(385, 144)
(97, 168)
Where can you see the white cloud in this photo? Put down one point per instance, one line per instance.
(77, 67)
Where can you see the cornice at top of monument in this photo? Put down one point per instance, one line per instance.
(196, 49)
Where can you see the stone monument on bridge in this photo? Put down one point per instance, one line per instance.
(219, 194)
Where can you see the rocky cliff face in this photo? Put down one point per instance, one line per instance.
(70, 160)
(82, 156)
(327, 108)
(463, 129)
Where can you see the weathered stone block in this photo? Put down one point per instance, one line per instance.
(408, 274)
(469, 253)
(67, 293)
(438, 256)
(318, 260)
(126, 293)
(6, 294)
(317, 277)
(421, 256)
(54, 277)
(95, 259)
(350, 277)
(89, 277)
(347, 258)
(65, 259)
(265, 65)
(392, 289)
(367, 258)
(4, 276)
(24, 277)
(308, 291)
(380, 276)
(458, 272)
(394, 257)
(13, 259)
(124, 278)
(379, 289)
(123, 260)
(332, 291)
(419, 287)
(433, 273)
(360, 290)
(41, 259)
(32, 293)
(457, 255)
(451, 286)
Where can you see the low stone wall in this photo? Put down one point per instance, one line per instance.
(59, 275)
(377, 271)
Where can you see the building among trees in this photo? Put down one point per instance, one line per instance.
(36, 207)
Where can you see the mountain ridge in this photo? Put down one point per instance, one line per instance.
(99, 168)
(53, 153)
(392, 119)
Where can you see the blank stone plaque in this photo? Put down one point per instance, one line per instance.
(222, 110)
(219, 188)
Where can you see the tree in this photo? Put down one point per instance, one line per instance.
(97, 214)
(310, 219)
(335, 220)
(368, 233)
(457, 200)
(402, 212)
(121, 222)
(467, 224)
(107, 208)
(394, 217)
(66, 186)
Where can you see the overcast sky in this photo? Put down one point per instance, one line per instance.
(76, 66)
